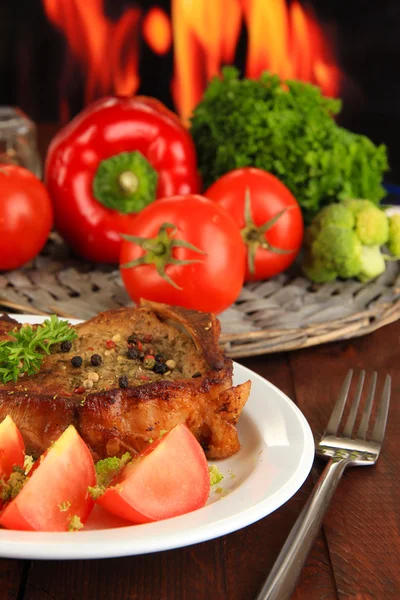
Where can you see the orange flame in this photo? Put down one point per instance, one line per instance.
(205, 37)
(288, 41)
(157, 30)
(107, 51)
(282, 38)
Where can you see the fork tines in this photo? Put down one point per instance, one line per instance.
(382, 412)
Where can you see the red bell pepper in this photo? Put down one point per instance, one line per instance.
(109, 162)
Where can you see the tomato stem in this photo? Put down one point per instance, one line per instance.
(254, 236)
(158, 252)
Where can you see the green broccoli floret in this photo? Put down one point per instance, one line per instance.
(357, 204)
(335, 214)
(372, 226)
(339, 249)
(316, 271)
(372, 263)
(344, 241)
(394, 235)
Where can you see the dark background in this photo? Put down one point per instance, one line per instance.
(365, 38)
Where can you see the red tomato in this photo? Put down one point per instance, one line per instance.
(57, 490)
(12, 447)
(210, 283)
(273, 245)
(26, 216)
(168, 479)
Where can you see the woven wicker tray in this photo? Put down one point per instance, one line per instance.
(285, 313)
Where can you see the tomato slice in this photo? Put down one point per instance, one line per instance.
(55, 497)
(168, 479)
(12, 447)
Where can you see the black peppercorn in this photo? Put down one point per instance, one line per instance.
(159, 358)
(76, 361)
(132, 353)
(160, 368)
(198, 374)
(123, 381)
(66, 346)
(132, 339)
(96, 360)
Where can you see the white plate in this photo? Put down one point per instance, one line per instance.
(276, 456)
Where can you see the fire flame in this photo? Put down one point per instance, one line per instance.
(287, 40)
(157, 30)
(205, 37)
(108, 52)
(283, 38)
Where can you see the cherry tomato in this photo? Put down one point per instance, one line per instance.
(55, 496)
(185, 251)
(268, 216)
(26, 216)
(167, 479)
(12, 447)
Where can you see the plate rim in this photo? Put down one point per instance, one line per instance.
(41, 545)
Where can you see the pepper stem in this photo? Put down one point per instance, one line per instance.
(158, 252)
(254, 236)
(125, 182)
(128, 182)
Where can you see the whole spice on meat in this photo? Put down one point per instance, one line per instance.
(123, 381)
(96, 360)
(133, 353)
(149, 361)
(76, 361)
(116, 157)
(66, 346)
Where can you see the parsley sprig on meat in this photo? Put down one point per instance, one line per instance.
(29, 345)
(288, 130)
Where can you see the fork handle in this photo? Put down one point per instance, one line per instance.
(284, 574)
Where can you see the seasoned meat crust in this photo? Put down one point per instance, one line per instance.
(131, 375)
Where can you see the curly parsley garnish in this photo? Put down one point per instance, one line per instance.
(24, 353)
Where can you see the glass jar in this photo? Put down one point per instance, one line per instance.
(18, 140)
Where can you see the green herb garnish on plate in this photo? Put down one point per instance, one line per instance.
(215, 475)
(29, 345)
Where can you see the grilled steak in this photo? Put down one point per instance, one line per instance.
(131, 375)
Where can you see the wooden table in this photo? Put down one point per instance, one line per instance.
(357, 553)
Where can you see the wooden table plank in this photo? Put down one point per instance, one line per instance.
(363, 525)
(11, 575)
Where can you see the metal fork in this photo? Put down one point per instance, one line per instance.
(342, 451)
